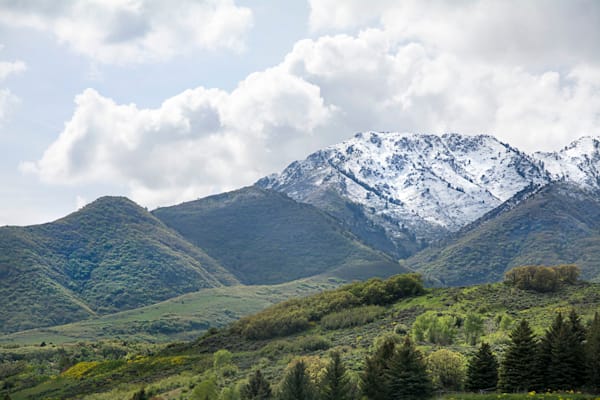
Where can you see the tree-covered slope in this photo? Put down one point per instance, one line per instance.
(558, 224)
(263, 236)
(111, 255)
(30, 295)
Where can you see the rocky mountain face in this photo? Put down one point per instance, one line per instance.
(411, 189)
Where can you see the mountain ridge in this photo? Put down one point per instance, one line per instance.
(416, 190)
(111, 255)
(265, 237)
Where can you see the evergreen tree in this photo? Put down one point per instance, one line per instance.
(336, 385)
(296, 384)
(374, 385)
(258, 388)
(544, 354)
(578, 333)
(7, 397)
(140, 395)
(576, 326)
(482, 371)
(517, 371)
(592, 352)
(562, 369)
(407, 375)
(560, 364)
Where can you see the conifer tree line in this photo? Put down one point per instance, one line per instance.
(566, 357)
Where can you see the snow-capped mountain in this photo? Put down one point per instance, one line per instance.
(578, 163)
(412, 185)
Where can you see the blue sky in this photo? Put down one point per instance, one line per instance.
(170, 101)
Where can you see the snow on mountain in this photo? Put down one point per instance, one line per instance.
(578, 163)
(426, 185)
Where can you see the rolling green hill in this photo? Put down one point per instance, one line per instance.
(183, 317)
(265, 237)
(111, 255)
(558, 224)
(174, 371)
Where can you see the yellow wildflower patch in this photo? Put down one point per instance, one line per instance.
(79, 370)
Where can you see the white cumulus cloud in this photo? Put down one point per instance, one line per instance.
(134, 31)
(199, 142)
(392, 76)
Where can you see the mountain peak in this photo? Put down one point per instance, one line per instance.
(578, 162)
(424, 184)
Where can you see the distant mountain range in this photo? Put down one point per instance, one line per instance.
(459, 209)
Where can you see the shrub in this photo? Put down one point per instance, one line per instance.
(434, 328)
(356, 316)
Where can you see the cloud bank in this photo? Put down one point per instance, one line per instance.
(126, 32)
(502, 68)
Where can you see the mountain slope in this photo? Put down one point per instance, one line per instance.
(265, 237)
(109, 256)
(30, 297)
(579, 163)
(559, 223)
(415, 188)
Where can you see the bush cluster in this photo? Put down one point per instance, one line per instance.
(540, 278)
(298, 315)
(356, 316)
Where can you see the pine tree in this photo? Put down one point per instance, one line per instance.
(578, 333)
(592, 352)
(561, 370)
(374, 385)
(517, 371)
(258, 388)
(296, 384)
(544, 354)
(407, 374)
(482, 371)
(140, 395)
(560, 359)
(336, 385)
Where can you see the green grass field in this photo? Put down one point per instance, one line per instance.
(182, 318)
